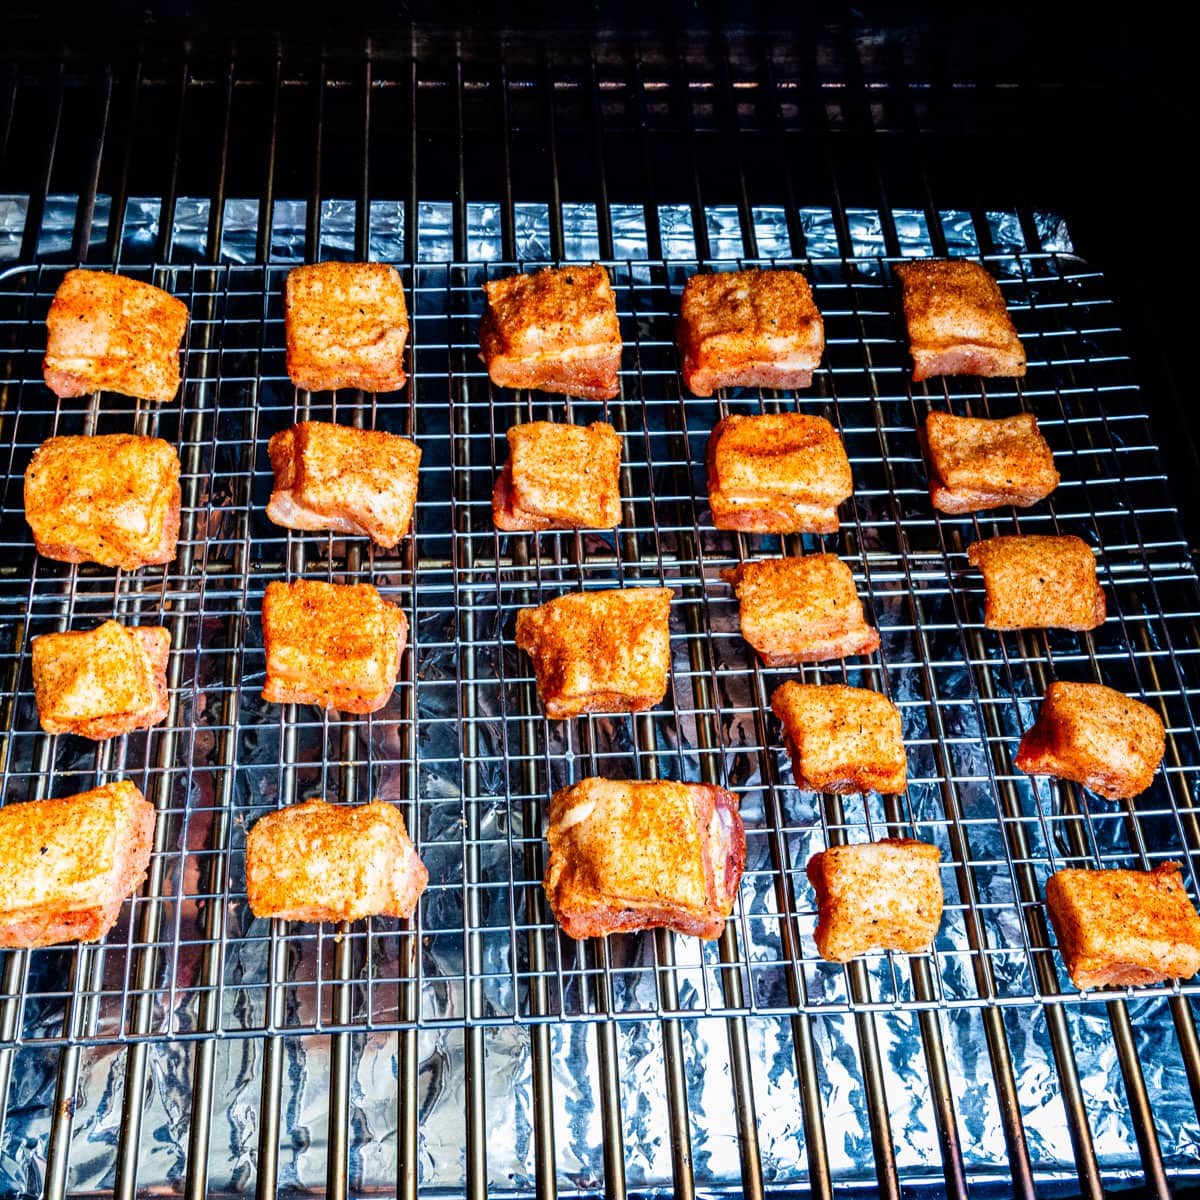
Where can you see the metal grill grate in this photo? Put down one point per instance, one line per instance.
(189, 961)
(237, 1013)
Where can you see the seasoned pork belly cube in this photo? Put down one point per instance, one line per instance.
(107, 332)
(1038, 583)
(346, 325)
(556, 330)
(354, 481)
(977, 464)
(799, 610)
(627, 856)
(599, 651)
(559, 477)
(112, 499)
(884, 895)
(749, 329)
(778, 473)
(841, 739)
(1124, 927)
(331, 862)
(334, 645)
(958, 323)
(1095, 736)
(67, 865)
(103, 682)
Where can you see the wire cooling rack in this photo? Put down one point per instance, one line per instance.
(463, 747)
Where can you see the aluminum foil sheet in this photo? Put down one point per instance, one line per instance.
(500, 835)
(532, 230)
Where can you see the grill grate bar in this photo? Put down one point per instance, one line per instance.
(114, 233)
(408, 1049)
(678, 1114)
(40, 191)
(463, 562)
(86, 212)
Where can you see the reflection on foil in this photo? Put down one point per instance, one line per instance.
(240, 231)
(574, 1061)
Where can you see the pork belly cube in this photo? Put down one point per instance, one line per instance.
(884, 895)
(841, 739)
(1038, 583)
(555, 330)
(102, 682)
(958, 323)
(627, 856)
(1095, 736)
(749, 329)
(977, 464)
(355, 481)
(111, 499)
(777, 473)
(1124, 927)
(332, 862)
(799, 610)
(346, 325)
(559, 477)
(599, 651)
(107, 332)
(331, 644)
(67, 865)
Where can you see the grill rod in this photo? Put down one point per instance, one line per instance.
(408, 1047)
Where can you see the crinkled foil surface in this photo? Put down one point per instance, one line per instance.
(578, 1130)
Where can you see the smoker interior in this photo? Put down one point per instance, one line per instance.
(475, 1050)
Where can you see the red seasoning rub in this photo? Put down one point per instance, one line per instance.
(977, 464)
(1038, 583)
(800, 610)
(559, 477)
(108, 332)
(841, 739)
(1095, 736)
(556, 330)
(333, 862)
(958, 323)
(67, 865)
(1124, 927)
(778, 473)
(346, 326)
(749, 329)
(334, 645)
(599, 651)
(353, 481)
(884, 895)
(112, 499)
(627, 856)
(101, 683)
